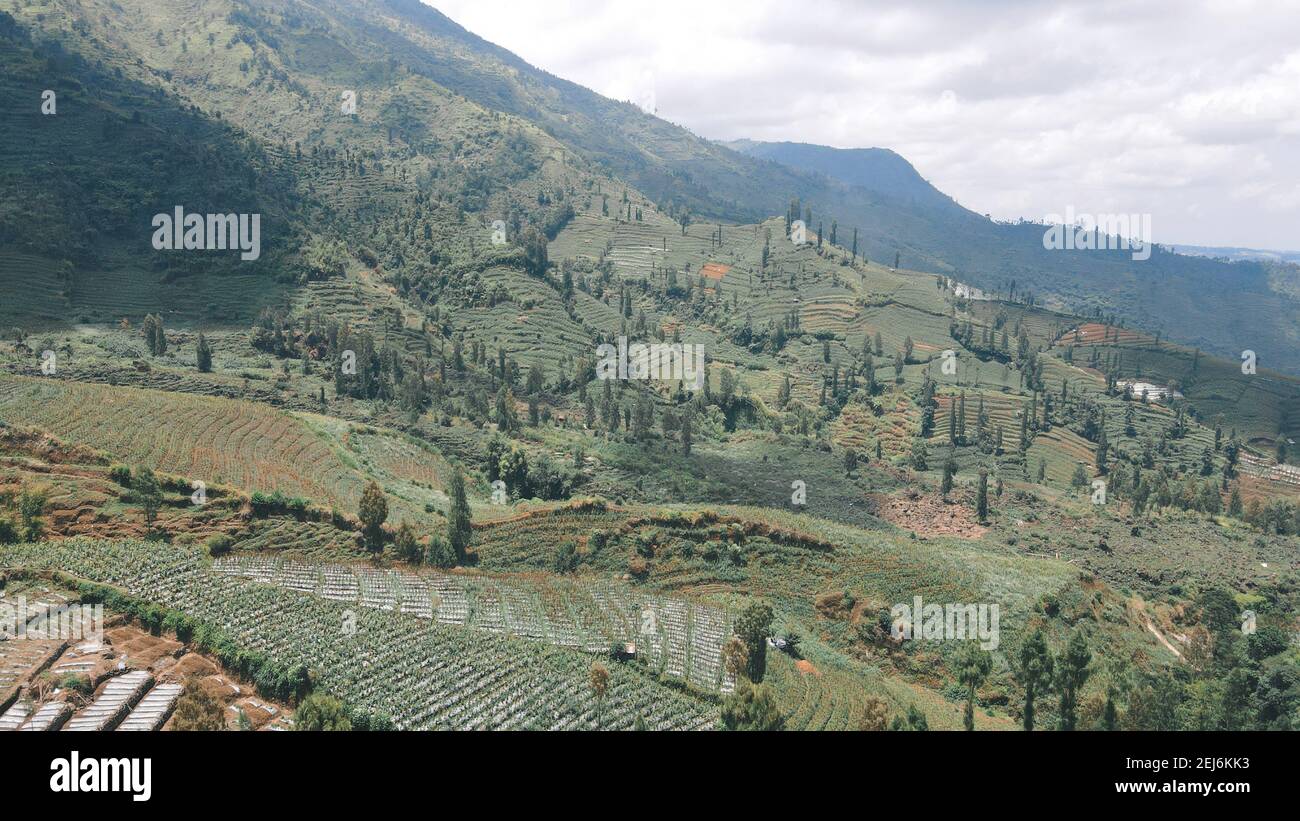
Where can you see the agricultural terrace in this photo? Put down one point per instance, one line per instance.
(675, 637)
(421, 673)
(222, 441)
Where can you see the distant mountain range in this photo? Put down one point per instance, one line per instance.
(1238, 254)
(1224, 300)
(429, 84)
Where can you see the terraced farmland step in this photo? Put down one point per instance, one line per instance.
(48, 718)
(153, 710)
(106, 710)
(14, 717)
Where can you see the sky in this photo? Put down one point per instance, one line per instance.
(1187, 110)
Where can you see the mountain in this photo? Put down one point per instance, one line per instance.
(1234, 253)
(878, 170)
(1194, 301)
(297, 54)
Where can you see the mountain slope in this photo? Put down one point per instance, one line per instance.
(430, 98)
(875, 169)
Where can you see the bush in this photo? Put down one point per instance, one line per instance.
(267, 504)
(197, 710)
(121, 474)
(77, 683)
(365, 721)
(319, 712)
(8, 531)
(440, 552)
(406, 545)
(219, 544)
(751, 707)
(566, 559)
(1267, 641)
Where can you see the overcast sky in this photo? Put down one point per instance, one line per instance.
(1188, 111)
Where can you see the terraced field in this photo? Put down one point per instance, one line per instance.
(421, 673)
(1064, 450)
(1095, 333)
(1002, 410)
(1285, 478)
(859, 429)
(499, 541)
(813, 701)
(220, 441)
(36, 290)
(532, 326)
(675, 637)
(301, 540)
(362, 303)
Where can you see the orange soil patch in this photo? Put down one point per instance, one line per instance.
(714, 270)
(1255, 488)
(804, 666)
(929, 515)
(192, 664)
(142, 650)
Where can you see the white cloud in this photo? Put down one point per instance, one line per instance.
(1186, 110)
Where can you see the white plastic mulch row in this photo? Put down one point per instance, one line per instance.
(119, 694)
(153, 709)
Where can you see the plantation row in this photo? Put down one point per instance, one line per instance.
(677, 638)
(1252, 465)
(420, 673)
(217, 440)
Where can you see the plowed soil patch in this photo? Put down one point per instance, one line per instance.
(928, 515)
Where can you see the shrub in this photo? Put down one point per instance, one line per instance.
(440, 553)
(219, 544)
(197, 710)
(751, 707)
(638, 567)
(1268, 641)
(319, 712)
(121, 474)
(566, 559)
(77, 683)
(406, 545)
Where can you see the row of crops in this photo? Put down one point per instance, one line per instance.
(223, 441)
(422, 673)
(217, 440)
(674, 637)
